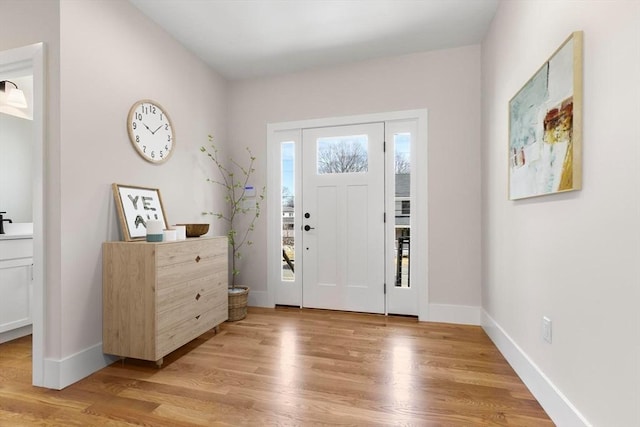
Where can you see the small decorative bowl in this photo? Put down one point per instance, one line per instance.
(196, 230)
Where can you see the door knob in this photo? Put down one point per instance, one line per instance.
(307, 228)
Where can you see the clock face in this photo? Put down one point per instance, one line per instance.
(150, 131)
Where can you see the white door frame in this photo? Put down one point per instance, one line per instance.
(24, 57)
(291, 131)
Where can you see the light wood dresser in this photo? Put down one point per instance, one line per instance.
(157, 297)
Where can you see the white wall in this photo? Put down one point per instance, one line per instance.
(112, 56)
(27, 22)
(445, 82)
(107, 64)
(572, 257)
(16, 163)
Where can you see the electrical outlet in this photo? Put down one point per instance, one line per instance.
(546, 329)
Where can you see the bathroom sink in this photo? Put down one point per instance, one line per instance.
(18, 230)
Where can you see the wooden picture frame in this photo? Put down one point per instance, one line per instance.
(545, 126)
(135, 206)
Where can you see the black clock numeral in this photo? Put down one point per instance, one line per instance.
(161, 154)
(160, 116)
(153, 109)
(137, 138)
(153, 154)
(166, 126)
(134, 125)
(144, 148)
(166, 147)
(169, 138)
(138, 116)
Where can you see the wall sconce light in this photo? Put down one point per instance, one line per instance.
(15, 97)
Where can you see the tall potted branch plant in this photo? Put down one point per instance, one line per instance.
(241, 217)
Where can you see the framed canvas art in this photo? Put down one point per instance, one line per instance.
(136, 206)
(545, 127)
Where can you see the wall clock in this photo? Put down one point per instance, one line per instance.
(151, 131)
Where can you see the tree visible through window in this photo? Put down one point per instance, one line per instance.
(346, 154)
(402, 163)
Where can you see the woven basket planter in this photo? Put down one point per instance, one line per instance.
(238, 303)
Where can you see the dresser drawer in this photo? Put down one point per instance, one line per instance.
(171, 275)
(190, 250)
(170, 338)
(194, 260)
(190, 299)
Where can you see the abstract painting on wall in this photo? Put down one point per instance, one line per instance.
(545, 127)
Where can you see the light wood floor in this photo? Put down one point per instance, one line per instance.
(288, 366)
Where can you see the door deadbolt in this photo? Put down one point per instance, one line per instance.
(308, 227)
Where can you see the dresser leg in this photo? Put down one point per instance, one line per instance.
(159, 362)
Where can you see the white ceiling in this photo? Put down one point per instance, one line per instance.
(252, 38)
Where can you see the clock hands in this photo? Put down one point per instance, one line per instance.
(153, 132)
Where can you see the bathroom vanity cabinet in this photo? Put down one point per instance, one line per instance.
(16, 287)
(159, 296)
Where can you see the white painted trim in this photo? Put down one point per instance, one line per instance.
(64, 372)
(34, 56)
(449, 313)
(348, 120)
(15, 333)
(273, 213)
(556, 404)
(419, 247)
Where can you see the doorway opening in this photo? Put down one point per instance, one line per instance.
(30, 60)
(403, 213)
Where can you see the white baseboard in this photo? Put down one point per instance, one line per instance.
(259, 299)
(557, 406)
(449, 313)
(445, 313)
(16, 333)
(59, 374)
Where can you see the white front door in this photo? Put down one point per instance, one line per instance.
(343, 265)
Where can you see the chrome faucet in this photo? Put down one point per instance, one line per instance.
(2, 220)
